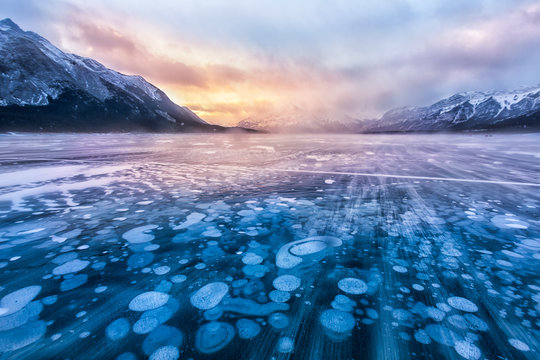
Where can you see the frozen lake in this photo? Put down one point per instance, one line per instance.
(269, 247)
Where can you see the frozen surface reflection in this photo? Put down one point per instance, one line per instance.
(269, 247)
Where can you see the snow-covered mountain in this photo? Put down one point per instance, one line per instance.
(466, 111)
(495, 110)
(45, 89)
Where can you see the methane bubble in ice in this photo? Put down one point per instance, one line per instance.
(247, 329)
(71, 267)
(286, 283)
(285, 345)
(148, 301)
(279, 296)
(167, 352)
(278, 320)
(213, 336)
(18, 299)
(462, 304)
(509, 222)
(467, 350)
(139, 234)
(518, 344)
(118, 329)
(338, 324)
(442, 334)
(352, 286)
(209, 295)
(290, 255)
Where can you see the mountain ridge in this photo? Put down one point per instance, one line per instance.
(43, 88)
(465, 111)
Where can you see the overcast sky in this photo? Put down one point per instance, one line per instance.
(231, 59)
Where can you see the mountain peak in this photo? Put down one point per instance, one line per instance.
(7, 24)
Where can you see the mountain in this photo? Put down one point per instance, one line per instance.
(467, 111)
(44, 89)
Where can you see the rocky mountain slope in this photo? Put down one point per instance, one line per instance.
(45, 89)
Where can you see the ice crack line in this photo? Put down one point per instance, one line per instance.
(322, 172)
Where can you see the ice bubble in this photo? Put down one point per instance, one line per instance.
(512, 254)
(126, 356)
(22, 336)
(118, 329)
(352, 286)
(163, 335)
(279, 296)
(177, 279)
(285, 345)
(73, 282)
(29, 313)
(372, 313)
(139, 234)
(518, 344)
(422, 337)
(442, 334)
(257, 271)
(338, 323)
(508, 222)
(400, 269)
(462, 304)
(100, 289)
(209, 295)
(139, 260)
(287, 282)
(252, 259)
(418, 287)
(458, 321)
(49, 300)
(145, 325)
(148, 301)
(475, 323)
(18, 299)
(467, 350)
(213, 314)
(213, 337)
(191, 219)
(70, 267)
(402, 315)
(278, 320)
(290, 254)
(167, 352)
(161, 270)
(211, 232)
(247, 329)
(246, 213)
(151, 247)
(329, 181)
(444, 307)
(63, 258)
(435, 314)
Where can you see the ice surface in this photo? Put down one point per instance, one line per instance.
(137, 246)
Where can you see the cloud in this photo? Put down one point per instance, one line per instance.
(237, 59)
